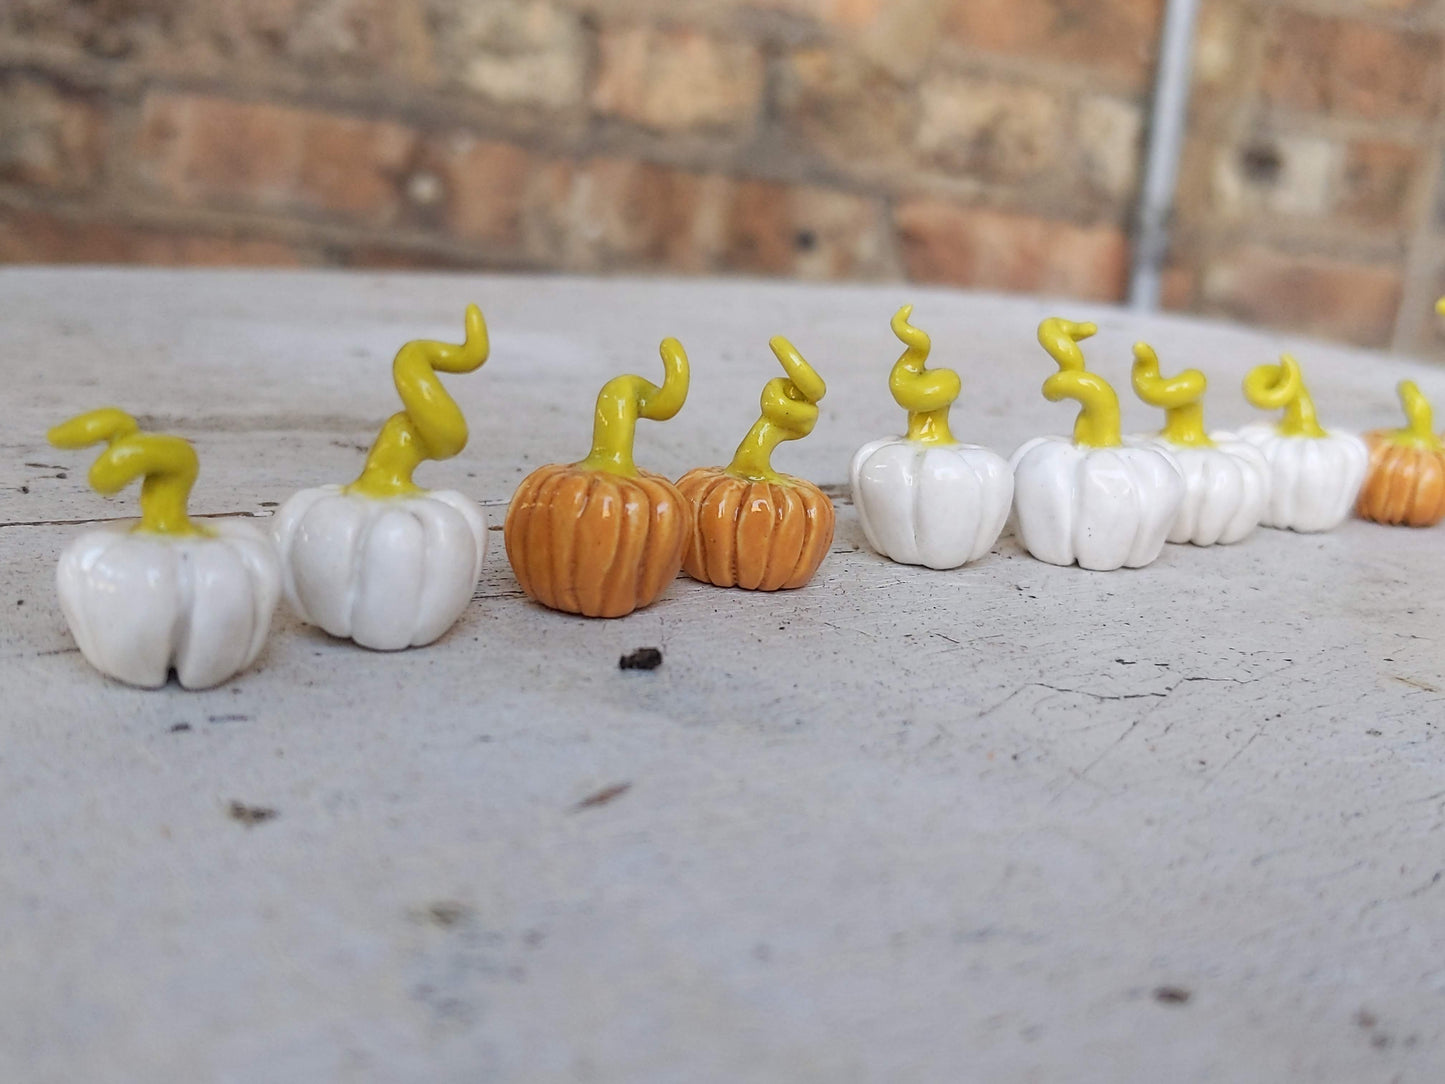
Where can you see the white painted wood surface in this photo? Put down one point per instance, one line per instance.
(900, 825)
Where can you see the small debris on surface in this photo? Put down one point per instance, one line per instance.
(602, 797)
(1172, 995)
(228, 718)
(251, 815)
(446, 913)
(180, 727)
(644, 658)
(1366, 1019)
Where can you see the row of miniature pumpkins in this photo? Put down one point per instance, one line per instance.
(390, 565)
(1105, 501)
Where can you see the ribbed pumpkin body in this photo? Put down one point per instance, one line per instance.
(595, 543)
(762, 536)
(1406, 485)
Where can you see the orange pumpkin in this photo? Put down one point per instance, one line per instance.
(1406, 480)
(601, 537)
(751, 526)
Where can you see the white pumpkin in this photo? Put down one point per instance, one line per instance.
(939, 505)
(924, 498)
(1226, 489)
(387, 572)
(1315, 475)
(1314, 481)
(1101, 508)
(141, 604)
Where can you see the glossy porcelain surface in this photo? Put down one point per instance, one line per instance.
(924, 498)
(389, 572)
(1099, 508)
(141, 604)
(430, 425)
(1313, 480)
(1226, 488)
(1405, 484)
(750, 525)
(594, 543)
(601, 537)
(939, 505)
(757, 535)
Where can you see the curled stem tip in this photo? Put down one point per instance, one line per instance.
(1180, 397)
(1061, 338)
(167, 466)
(624, 399)
(430, 425)
(925, 393)
(1097, 425)
(789, 412)
(1282, 387)
(1420, 430)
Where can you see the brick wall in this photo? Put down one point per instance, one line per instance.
(993, 143)
(1310, 193)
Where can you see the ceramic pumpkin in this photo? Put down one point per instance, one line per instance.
(600, 537)
(752, 527)
(1315, 475)
(1406, 481)
(924, 498)
(1090, 499)
(165, 593)
(382, 561)
(1226, 479)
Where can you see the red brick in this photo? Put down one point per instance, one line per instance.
(1118, 36)
(35, 237)
(499, 195)
(361, 37)
(634, 214)
(1356, 302)
(992, 128)
(353, 167)
(523, 53)
(852, 112)
(1178, 287)
(804, 231)
(47, 137)
(998, 250)
(672, 80)
(1350, 68)
(202, 150)
(1379, 181)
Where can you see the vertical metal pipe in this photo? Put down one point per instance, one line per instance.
(1166, 141)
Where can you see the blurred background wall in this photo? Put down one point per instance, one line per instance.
(987, 143)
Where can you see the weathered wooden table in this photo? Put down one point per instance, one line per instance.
(1011, 822)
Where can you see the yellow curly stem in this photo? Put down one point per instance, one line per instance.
(430, 425)
(623, 400)
(1420, 430)
(1276, 387)
(790, 411)
(1097, 425)
(927, 394)
(1180, 397)
(167, 466)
